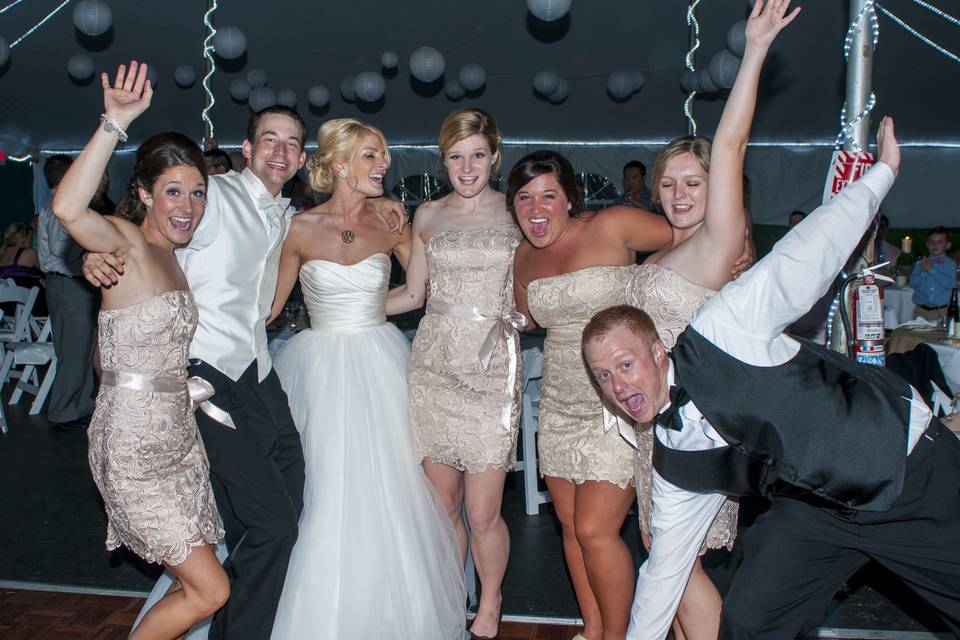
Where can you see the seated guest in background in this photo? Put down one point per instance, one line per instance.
(635, 191)
(796, 217)
(73, 308)
(934, 277)
(885, 251)
(854, 463)
(19, 261)
(217, 162)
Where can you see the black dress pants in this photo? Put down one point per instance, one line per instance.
(257, 473)
(797, 555)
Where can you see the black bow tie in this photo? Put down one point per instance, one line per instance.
(670, 418)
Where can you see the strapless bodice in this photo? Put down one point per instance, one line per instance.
(346, 298)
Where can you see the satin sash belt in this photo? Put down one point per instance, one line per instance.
(199, 390)
(503, 331)
(573, 336)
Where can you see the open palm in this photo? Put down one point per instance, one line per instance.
(767, 19)
(130, 94)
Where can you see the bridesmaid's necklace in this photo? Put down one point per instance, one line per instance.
(346, 235)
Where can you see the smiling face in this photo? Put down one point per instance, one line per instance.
(543, 210)
(631, 373)
(175, 204)
(366, 167)
(468, 164)
(275, 154)
(683, 191)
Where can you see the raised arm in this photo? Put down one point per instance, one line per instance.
(123, 102)
(640, 230)
(410, 251)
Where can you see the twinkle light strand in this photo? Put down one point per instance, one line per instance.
(868, 9)
(693, 24)
(211, 66)
(919, 36)
(846, 128)
(39, 24)
(939, 12)
(10, 6)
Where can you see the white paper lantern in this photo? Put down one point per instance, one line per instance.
(287, 97)
(92, 17)
(545, 82)
(427, 64)
(240, 89)
(80, 67)
(4, 51)
(318, 96)
(620, 84)
(389, 59)
(723, 68)
(454, 90)
(229, 42)
(688, 81)
(348, 88)
(561, 92)
(704, 83)
(369, 86)
(184, 76)
(152, 76)
(549, 10)
(637, 79)
(257, 78)
(472, 76)
(737, 38)
(261, 98)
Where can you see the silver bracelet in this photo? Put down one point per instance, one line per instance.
(110, 126)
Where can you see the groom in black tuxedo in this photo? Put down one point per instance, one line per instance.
(850, 456)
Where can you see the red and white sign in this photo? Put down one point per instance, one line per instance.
(846, 167)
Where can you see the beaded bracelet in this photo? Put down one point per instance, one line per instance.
(110, 125)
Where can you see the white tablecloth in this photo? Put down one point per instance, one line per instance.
(897, 306)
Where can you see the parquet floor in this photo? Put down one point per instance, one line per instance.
(44, 615)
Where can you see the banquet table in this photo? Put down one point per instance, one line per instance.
(897, 306)
(948, 352)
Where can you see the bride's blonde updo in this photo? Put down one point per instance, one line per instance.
(338, 140)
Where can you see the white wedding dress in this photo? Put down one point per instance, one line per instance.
(376, 556)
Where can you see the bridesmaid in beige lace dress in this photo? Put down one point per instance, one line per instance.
(570, 266)
(700, 187)
(145, 453)
(464, 372)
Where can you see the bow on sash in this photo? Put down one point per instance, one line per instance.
(503, 331)
(199, 390)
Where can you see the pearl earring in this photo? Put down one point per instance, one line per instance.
(343, 173)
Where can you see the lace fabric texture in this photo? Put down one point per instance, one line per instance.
(571, 442)
(671, 300)
(145, 453)
(455, 404)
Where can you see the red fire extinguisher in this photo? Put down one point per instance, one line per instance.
(865, 337)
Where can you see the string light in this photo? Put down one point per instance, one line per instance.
(692, 23)
(920, 36)
(846, 128)
(857, 24)
(10, 6)
(39, 24)
(208, 56)
(933, 9)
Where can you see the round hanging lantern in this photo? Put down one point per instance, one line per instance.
(229, 42)
(369, 86)
(723, 69)
(545, 82)
(427, 64)
(184, 76)
(240, 89)
(92, 17)
(549, 10)
(454, 90)
(287, 97)
(737, 38)
(152, 76)
(561, 92)
(257, 78)
(80, 67)
(348, 88)
(318, 96)
(389, 59)
(4, 51)
(704, 83)
(620, 84)
(472, 76)
(261, 98)
(637, 79)
(688, 81)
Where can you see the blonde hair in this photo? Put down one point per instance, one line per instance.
(697, 145)
(339, 140)
(463, 123)
(18, 234)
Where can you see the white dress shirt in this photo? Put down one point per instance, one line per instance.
(746, 319)
(231, 265)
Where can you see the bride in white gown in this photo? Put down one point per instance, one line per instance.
(376, 556)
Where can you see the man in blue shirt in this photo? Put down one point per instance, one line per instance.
(934, 277)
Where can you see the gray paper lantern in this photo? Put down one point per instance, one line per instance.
(240, 90)
(427, 64)
(369, 86)
(318, 96)
(389, 59)
(152, 76)
(261, 98)
(287, 97)
(92, 17)
(257, 78)
(549, 10)
(688, 81)
(4, 51)
(637, 79)
(348, 88)
(454, 90)
(561, 92)
(545, 82)
(229, 42)
(704, 83)
(737, 38)
(620, 84)
(723, 69)
(184, 76)
(472, 76)
(80, 67)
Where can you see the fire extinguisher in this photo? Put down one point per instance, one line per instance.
(865, 338)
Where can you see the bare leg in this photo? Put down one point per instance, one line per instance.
(203, 590)
(600, 509)
(700, 605)
(490, 542)
(562, 493)
(449, 484)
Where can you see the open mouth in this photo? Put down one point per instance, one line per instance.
(467, 180)
(538, 226)
(633, 403)
(181, 224)
(377, 177)
(279, 166)
(681, 209)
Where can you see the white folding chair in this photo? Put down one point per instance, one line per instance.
(19, 329)
(31, 355)
(529, 417)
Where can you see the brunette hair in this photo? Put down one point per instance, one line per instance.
(537, 164)
(279, 109)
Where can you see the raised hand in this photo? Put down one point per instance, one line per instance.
(130, 94)
(767, 19)
(888, 151)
